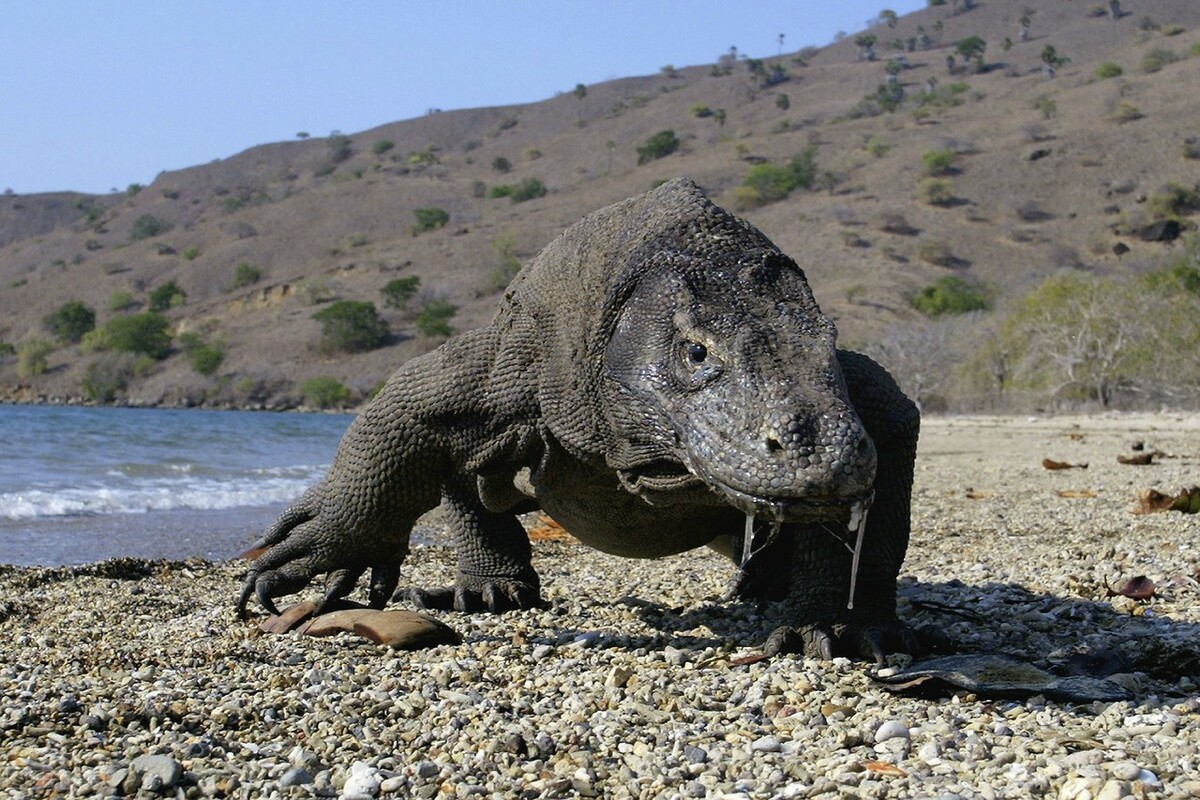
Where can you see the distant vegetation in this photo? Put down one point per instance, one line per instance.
(246, 274)
(146, 333)
(71, 321)
(429, 219)
(770, 183)
(949, 294)
(351, 326)
(527, 189)
(324, 391)
(167, 296)
(203, 356)
(433, 318)
(147, 226)
(658, 146)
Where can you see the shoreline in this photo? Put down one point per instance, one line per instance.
(632, 684)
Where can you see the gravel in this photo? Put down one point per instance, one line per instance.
(130, 677)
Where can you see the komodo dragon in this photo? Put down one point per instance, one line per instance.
(658, 378)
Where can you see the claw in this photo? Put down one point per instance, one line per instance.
(384, 578)
(262, 590)
(244, 598)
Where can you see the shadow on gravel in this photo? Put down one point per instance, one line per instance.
(1065, 635)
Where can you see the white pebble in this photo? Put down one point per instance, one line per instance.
(891, 730)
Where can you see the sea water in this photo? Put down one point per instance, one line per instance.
(82, 484)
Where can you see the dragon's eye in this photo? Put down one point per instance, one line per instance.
(696, 352)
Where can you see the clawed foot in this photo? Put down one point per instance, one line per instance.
(475, 594)
(870, 641)
(267, 584)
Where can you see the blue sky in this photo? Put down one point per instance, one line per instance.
(97, 95)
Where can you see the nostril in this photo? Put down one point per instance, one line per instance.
(773, 445)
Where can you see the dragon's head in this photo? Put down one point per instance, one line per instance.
(720, 371)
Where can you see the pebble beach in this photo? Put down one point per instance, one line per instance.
(132, 677)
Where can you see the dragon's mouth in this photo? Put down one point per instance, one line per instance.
(810, 508)
(658, 480)
(660, 475)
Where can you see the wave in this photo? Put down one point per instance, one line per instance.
(184, 492)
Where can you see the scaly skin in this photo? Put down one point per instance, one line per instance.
(659, 372)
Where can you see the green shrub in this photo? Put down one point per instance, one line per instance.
(429, 219)
(1125, 112)
(1175, 201)
(1172, 29)
(108, 376)
(7, 349)
(190, 253)
(71, 321)
(770, 183)
(500, 190)
(528, 189)
(351, 326)
(32, 357)
(146, 333)
(433, 319)
(169, 295)
(658, 146)
(936, 252)
(504, 247)
(501, 164)
(399, 292)
(938, 162)
(699, 110)
(949, 294)
(382, 146)
(204, 357)
(324, 391)
(121, 300)
(147, 226)
(1109, 69)
(935, 191)
(1182, 276)
(876, 146)
(1158, 58)
(246, 274)
(339, 148)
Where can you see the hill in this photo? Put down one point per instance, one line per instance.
(1040, 174)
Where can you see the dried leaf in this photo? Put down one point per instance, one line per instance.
(884, 768)
(1152, 501)
(406, 630)
(547, 530)
(1076, 437)
(829, 709)
(1076, 494)
(1050, 463)
(1139, 460)
(974, 495)
(1139, 587)
(753, 658)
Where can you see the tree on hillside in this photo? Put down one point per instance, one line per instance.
(351, 326)
(866, 46)
(972, 50)
(71, 321)
(1086, 338)
(658, 146)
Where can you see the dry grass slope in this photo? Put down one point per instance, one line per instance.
(1048, 174)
